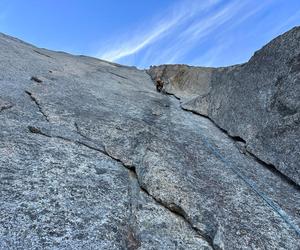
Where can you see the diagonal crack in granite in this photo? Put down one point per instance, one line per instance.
(33, 98)
(249, 182)
(189, 167)
(239, 139)
(173, 208)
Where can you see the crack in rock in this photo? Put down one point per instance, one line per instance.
(246, 151)
(133, 240)
(36, 79)
(173, 208)
(118, 75)
(32, 97)
(79, 131)
(43, 54)
(252, 185)
(178, 211)
(5, 105)
(272, 168)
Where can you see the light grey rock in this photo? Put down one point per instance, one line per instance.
(4, 105)
(92, 157)
(258, 101)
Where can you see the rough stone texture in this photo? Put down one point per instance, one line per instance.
(258, 101)
(92, 157)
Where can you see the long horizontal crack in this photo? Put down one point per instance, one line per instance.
(173, 208)
(38, 105)
(250, 183)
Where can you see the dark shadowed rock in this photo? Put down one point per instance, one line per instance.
(95, 158)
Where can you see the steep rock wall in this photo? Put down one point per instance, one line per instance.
(258, 101)
(93, 157)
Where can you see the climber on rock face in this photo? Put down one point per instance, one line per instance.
(159, 84)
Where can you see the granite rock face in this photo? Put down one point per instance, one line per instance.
(93, 157)
(258, 101)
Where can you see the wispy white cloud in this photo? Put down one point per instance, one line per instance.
(223, 42)
(136, 44)
(199, 30)
(217, 26)
(175, 17)
(181, 29)
(205, 25)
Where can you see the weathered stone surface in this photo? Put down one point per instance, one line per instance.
(4, 105)
(93, 157)
(258, 101)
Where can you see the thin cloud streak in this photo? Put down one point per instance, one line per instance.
(223, 20)
(199, 30)
(134, 46)
(210, 57)
(203, 26)
(140, 41)
(187, 27)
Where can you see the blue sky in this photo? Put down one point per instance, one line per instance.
(151, 32)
